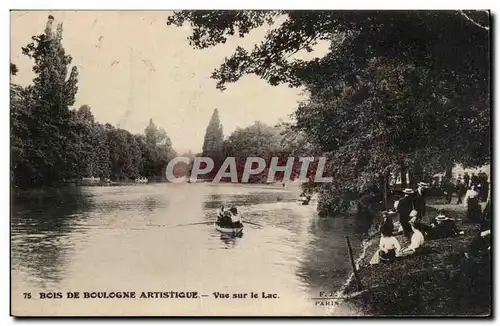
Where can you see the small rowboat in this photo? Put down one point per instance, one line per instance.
(232, 231)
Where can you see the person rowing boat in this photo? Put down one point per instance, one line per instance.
(229, 218)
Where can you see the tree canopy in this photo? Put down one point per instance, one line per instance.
(397, 90)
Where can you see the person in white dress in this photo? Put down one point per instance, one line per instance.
(417, 239)
(389, 248)
(471, 202)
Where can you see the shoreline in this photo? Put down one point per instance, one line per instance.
(425, 285)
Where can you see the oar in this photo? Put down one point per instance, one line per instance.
(198, 223)
(253, 223)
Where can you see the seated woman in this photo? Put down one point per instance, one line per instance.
(417, 240)
(389, 247)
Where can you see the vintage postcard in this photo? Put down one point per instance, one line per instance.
(250, 163)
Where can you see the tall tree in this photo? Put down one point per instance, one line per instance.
(83, 141)
(159, 150)
(47, 140)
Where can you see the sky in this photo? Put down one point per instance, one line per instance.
(133, 67)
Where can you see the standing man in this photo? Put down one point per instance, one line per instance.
(473, 180)
(483, 192)
(419, 200)
(466, 180)
(405, 206)
(449, 189)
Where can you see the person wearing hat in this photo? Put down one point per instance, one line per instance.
(417, 237)
(444, 227)
(405, 206)
(419, 199)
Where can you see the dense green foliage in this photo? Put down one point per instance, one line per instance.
(257, 140)
(264, 141)
(52, 144)
(396, 92)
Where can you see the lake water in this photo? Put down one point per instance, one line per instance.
(134, 238)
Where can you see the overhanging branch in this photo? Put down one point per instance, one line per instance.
(473, 21)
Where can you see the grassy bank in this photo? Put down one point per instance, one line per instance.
(429, 284)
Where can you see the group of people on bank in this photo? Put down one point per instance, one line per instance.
(413, 202)
(389, 246)
(411, 209)
(463, 184)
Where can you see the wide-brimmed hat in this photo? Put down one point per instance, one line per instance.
(408, 191)
(413, 213)
(423, 184)
(442, 217)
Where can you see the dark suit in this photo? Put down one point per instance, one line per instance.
(460, 189)
(405, 206)
(466, 180)
(419, 203)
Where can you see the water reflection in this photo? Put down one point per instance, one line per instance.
(40, 229)
(324, 265)
(230, 240)
(149, 203)
(245, 196)
(106, 237)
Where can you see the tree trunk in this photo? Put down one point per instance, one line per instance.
(386, 191)
(404, 180)
(384, 186)
(411, 179)
(417, 173)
